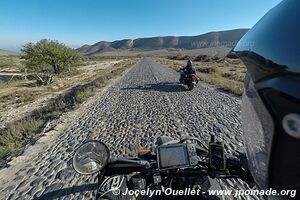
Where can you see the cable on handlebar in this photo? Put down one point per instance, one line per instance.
(194, 138)
(144, 163)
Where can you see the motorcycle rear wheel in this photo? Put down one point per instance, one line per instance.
(191, 86)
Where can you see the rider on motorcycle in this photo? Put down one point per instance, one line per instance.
(187, 70)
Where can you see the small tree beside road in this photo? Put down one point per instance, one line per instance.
(49, 55)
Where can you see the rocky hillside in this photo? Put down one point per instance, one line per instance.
(213, 39)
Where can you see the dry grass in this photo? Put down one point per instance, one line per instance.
(227, 74)
(17, 135)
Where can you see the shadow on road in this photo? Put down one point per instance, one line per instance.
(160, 87)
(56, 194)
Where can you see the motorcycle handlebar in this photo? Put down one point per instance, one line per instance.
(234, 167)
(232, 163)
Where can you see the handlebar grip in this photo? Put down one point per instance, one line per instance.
(234, 162)
(240, 166)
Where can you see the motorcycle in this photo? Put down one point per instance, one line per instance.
(171, 169)
(188, 79)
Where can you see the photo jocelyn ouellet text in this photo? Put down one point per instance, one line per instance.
(196, 192)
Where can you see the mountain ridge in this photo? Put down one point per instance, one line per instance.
(226, 38)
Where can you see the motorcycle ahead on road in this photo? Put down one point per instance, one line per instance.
(173, 169)
(188, 79)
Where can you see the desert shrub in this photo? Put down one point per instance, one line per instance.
(49, 53)
(54, 115)
(215, 58)
(179, 56)
(117, 71)
(202, 58)
(227, 75)
(5, 151)
(44, 79)
(80, 96)
(207, 70)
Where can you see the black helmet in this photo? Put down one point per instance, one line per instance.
(271, 101)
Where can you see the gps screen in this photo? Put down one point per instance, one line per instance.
(173, 156)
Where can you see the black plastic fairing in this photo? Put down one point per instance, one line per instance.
(284, 169)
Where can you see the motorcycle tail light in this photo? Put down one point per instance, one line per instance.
(194, 78)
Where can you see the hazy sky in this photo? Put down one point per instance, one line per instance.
(78, 22)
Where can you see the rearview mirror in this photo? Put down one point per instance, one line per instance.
(91, 157)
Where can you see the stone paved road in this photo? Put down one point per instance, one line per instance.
(145, 103)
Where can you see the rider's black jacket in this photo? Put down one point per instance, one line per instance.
(189, 69)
